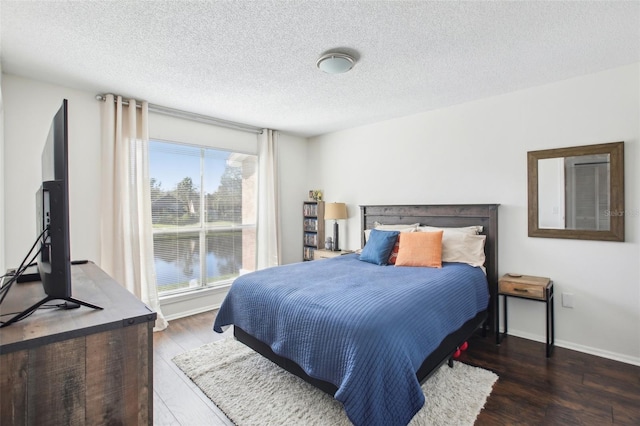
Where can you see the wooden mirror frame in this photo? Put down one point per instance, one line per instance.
(616, 191)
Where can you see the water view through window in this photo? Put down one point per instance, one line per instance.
(203, 204)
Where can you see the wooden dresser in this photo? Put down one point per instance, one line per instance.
(78, 366)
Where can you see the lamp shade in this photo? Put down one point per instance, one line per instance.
(335, 211)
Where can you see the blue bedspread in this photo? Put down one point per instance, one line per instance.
(363, 327)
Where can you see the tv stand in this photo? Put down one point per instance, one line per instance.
(35, 307)
(78, 366)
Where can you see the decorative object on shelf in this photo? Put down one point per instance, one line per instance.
(328, 244)
(315, 195)
(335, 211)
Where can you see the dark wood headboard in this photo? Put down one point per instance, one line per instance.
(451, 215)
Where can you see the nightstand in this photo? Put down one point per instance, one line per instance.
(326, 254)
(527, 287)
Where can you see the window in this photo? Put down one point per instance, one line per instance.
(203, 206)
(588, 192)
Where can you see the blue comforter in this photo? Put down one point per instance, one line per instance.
(363, 327)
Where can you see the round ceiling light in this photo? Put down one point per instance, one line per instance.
(335, 63)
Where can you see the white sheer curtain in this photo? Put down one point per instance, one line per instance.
(268, 215)
(2, 265)
(126, 230)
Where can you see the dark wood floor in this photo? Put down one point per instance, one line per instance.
(568, 388)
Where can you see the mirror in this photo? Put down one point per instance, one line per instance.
(577, 192)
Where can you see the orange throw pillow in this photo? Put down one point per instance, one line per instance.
(420, 249)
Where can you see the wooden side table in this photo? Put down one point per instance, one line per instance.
(527, 287)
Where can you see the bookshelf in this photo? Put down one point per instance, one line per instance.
(313, 228)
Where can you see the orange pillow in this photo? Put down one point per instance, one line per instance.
(420, 249)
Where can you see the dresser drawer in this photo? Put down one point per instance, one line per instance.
(524, 286)
(523, 290)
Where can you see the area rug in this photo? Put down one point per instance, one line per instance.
(251, 390)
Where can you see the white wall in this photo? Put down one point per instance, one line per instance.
(292, 152)
(175, 129)
(477, 153)
(29, 108)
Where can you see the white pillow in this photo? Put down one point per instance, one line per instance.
(400, 228)
(464, 248)
(472, 230)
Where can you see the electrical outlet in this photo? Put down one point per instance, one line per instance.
(567, 300)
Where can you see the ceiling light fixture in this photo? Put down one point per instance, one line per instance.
(335, 63)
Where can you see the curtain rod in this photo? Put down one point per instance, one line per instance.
(193, 116)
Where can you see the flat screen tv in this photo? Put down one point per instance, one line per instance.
(52, 210)
(52, 205)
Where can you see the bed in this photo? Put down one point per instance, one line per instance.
(371, 342)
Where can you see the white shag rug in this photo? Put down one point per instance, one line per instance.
(251, 390)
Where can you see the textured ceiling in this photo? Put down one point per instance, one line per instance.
(254, 62)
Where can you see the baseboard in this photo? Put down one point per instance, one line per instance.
(579, 348)
(197, 311)
(192, 303)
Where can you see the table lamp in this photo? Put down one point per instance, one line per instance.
(335, 211)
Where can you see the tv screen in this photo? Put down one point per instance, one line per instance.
(54, 262)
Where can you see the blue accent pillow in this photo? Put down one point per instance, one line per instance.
(379, 246)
